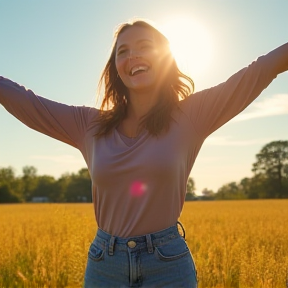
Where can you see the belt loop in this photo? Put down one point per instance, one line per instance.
(183, 230)
(111, 246)
(149, 243)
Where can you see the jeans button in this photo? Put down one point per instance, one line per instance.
(131, 244)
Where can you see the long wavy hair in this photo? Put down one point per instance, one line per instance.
(173, 86)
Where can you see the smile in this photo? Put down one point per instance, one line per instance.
(138, 69)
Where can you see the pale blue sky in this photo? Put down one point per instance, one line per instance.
(59, 48)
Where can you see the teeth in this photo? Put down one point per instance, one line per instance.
(138, 68)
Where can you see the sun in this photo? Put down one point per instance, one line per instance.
(190, 44)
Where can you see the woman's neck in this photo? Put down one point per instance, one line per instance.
(140, 104)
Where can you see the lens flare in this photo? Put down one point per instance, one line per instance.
(138, 188)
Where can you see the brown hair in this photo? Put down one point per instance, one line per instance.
(174, 86)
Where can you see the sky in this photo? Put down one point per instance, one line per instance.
(58, 48)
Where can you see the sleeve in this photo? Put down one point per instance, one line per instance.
(211, 108)
(62, 122)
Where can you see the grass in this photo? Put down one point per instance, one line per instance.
(234, 243)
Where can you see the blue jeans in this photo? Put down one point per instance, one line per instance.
(161, 259)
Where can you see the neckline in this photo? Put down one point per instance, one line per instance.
(128, 140)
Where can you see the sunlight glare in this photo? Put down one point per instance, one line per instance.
(190, 44)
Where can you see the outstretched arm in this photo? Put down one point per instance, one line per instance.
(65, 123)
(281, 54)
(212, 108)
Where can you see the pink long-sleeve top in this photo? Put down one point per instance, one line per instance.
(139, 186)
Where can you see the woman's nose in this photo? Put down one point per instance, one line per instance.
(134, 54)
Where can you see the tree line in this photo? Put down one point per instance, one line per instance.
(75, 187)
(270, 180)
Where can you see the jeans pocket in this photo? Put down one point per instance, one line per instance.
(95, 253)
(172, 250)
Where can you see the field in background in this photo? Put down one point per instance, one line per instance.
(234, 243)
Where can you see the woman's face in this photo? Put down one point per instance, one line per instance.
(137, 59)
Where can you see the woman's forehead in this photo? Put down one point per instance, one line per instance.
(134, 34)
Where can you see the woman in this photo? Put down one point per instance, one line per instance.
(140, 151)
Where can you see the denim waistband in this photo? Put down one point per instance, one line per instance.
(148, 241)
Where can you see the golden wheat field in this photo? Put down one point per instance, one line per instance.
(234, 243)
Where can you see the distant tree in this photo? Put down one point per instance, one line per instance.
(272, 162)
(190, 190)
(190, 185)
(29, 181)
(9, 186)
(208, 194)
(230, 191)
(7, 195)
(245, 185)
(45, 188)
(79, 187)
(61, 186)
(258, 187)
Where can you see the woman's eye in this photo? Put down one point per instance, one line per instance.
(122, 52)
(146, 47)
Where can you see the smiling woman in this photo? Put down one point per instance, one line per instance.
(139, 183)
(190, 43)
